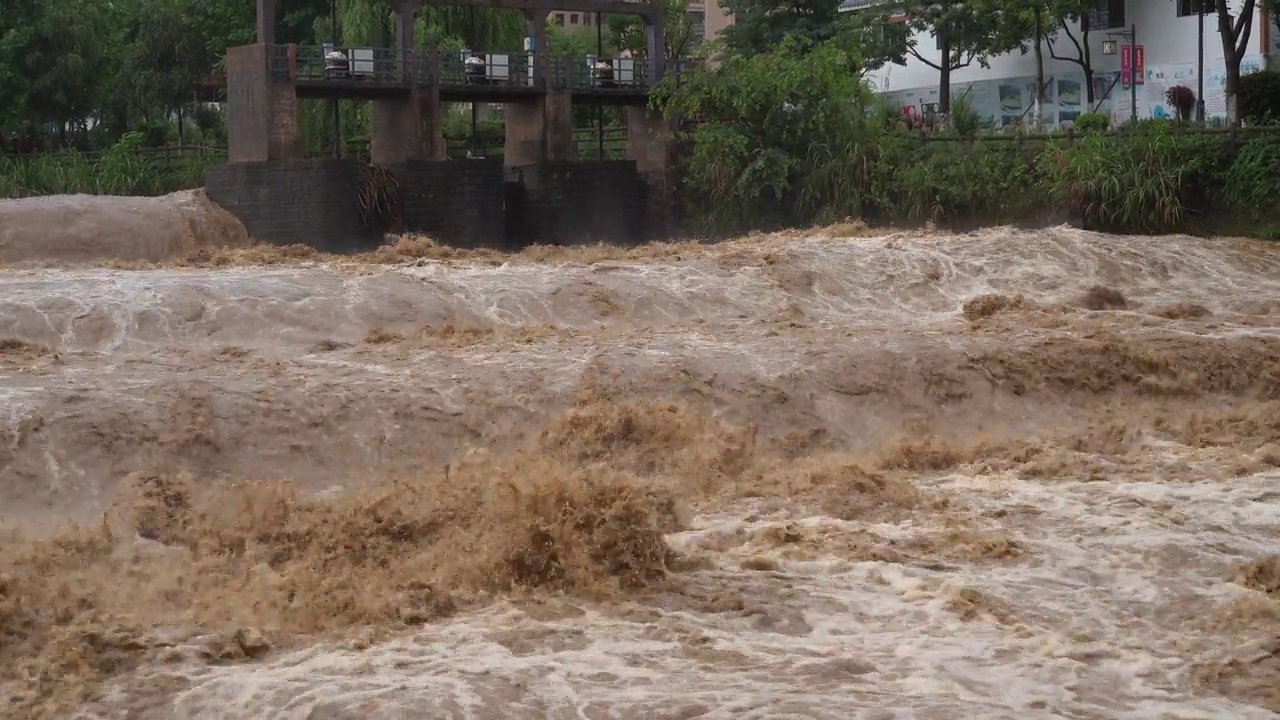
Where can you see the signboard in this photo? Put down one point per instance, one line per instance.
(1129, 69)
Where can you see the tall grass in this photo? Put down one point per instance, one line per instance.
(119, 171)
(1150, 181)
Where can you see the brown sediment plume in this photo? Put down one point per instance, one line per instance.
(83, 606)
(1262, 574)
(985, 306)
(714, 447)
(110, 229)
(1099, 297)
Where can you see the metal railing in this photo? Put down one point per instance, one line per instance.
(591, 142)
(600, 73)
(374, 66)
(484, 69)
(394, 67)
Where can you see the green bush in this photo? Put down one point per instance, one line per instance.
(965, 121)
(962, 183)
(777, 138)
(1259, 98)
(1145, 182)
(1091, 122)
(1249, 186)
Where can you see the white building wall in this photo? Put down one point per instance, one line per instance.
(1005, 90)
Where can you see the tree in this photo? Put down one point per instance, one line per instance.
(61, 57)
(966, 31)
(777, 137)
(169, 57)
(1066, 15)
(760, 25)
(1235, 43)
(1034, 19)
(17, 23)
(1037, 23)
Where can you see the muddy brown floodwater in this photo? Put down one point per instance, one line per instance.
(1006, 474)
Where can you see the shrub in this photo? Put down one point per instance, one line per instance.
(777, 138)
(1249, 186)
(1092, 122)
(1183, 101)
(1259, 99)
(959, 182)
(964, 119)
(1145, 182)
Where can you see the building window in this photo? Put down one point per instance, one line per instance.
(1108, 15)
(573, 18)
(1189, 7)
(698, 26)
(560, 19)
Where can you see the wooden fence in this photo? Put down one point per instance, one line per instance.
(163, 154)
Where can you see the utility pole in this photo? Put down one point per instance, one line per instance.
(1200, 62)
(1133, 72)
(333, 104)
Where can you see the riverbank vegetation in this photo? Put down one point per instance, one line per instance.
(791, 137)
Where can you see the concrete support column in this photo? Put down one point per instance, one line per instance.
(431, 125)
(648, 140)
(410, 128)
(539, 130)
(649, 147)
(397, 131)
(558, 111)
(267, 21)
(262, 108)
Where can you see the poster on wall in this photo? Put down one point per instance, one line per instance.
(1160, 79)
(1069, 101)
(1105, 85)
(1011, 107)
(1007, 102)
(1070, 96)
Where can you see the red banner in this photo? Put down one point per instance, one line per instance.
(1129, 68)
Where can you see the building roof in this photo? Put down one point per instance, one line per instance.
(851, 5)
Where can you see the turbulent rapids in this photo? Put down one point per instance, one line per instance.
(833, 474)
